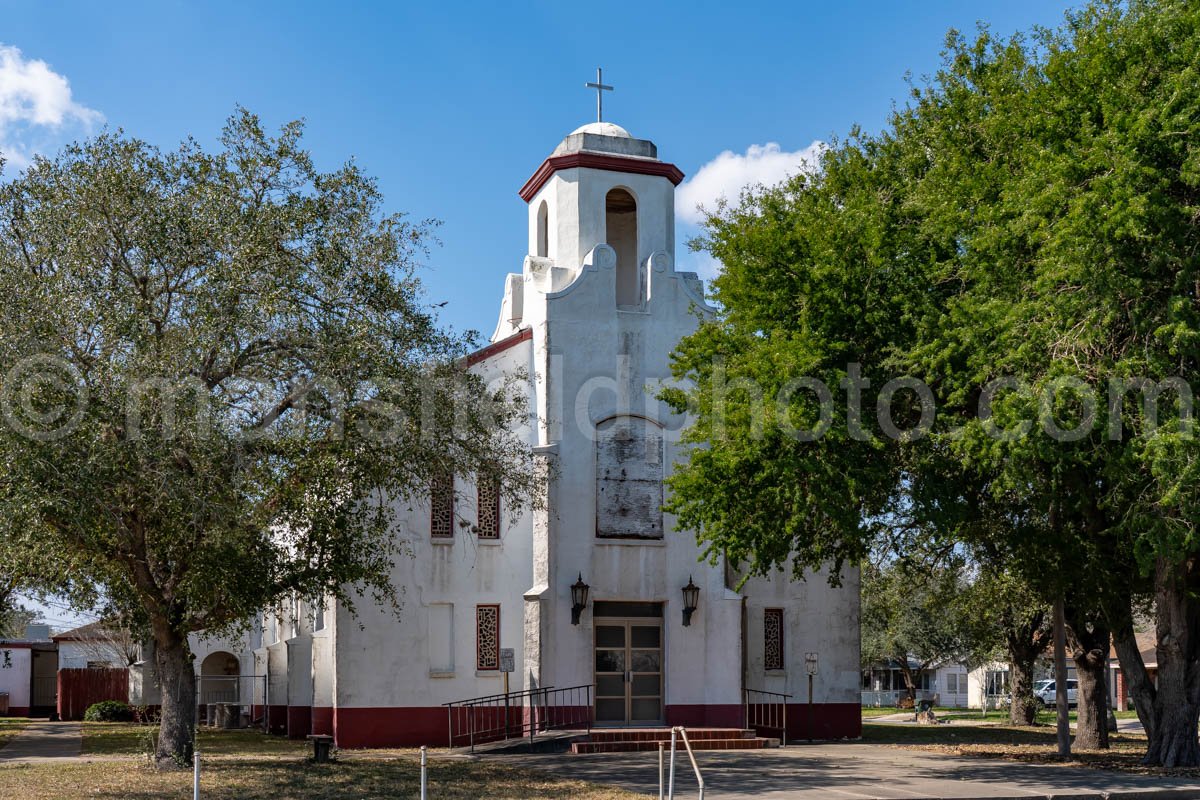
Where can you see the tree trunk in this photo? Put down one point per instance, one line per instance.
(1137, 679)
(1023, 707)
(177, 680)
(1060, 681)
(1177, 701)
(1089, 642)
(910, 683)
(1025, 643)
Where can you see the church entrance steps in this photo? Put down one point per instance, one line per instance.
(627, 740)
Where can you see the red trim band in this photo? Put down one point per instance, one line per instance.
(412, 726)
(484, 353)
(637, 166)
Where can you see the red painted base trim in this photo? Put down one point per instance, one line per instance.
(299, 721)
(416, 726)
(829, 721)
(322, 720)
(18, 711)
(277, 719)
(705, 716)
(390, 727)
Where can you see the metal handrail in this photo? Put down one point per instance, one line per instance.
(770, 715)
(682, 732)
(511, 715)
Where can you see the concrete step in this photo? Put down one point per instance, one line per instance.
(664, 734)
(628, 740)
(642, 745)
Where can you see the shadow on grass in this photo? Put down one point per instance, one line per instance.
(247, 769)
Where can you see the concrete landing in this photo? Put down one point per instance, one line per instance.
(44, 741)
(853, 771)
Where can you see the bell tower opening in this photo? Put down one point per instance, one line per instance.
(543, 231)
(620, 213)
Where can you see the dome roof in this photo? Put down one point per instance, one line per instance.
(602, 129)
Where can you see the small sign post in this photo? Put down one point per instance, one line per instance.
(810, 663)
(507, 665)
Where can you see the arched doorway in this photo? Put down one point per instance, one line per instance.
(219, 678)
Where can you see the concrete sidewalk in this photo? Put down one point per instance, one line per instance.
(853, 771)
(44, 741)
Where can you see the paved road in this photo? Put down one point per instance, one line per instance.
(853, 771)
(44, 741)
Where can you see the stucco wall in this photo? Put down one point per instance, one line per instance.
(14, 675)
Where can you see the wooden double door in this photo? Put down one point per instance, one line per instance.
(629, 671)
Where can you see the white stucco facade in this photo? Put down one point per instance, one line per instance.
(590, 319)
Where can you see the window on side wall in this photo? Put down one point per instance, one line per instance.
(773, 638)
(441, 507)
(487, 637)
(487, 495)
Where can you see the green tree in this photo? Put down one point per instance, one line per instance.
(1019, 237)
(913, 617)
(220, 378)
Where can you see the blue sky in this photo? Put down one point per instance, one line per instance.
(452, 106)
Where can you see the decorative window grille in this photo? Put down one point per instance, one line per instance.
(488, 503)
(441, 507)
(487, 637)
(773, 638)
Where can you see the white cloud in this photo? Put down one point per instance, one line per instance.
(35, 101)
(729, 173)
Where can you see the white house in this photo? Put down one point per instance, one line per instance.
(590, 319)
(28, 668)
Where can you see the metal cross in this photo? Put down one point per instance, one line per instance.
(600, 88)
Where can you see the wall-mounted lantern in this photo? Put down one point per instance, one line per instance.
(579, 598)
(691, 600)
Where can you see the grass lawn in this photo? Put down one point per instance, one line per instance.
(246, 765)
(1033, 744)
(1044, 716)
(10, 727)
(127, 739)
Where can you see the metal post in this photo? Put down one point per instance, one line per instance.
(424, 777)
(196, 775)
(505, 674)
(671, 775)
(810, 709)
(660, 771)
(785, 699)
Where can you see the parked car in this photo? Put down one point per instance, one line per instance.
(1047, 692)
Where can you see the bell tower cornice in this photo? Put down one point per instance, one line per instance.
(594, 160)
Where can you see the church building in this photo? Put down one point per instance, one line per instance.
(592, 587)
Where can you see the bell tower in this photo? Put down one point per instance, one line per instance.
(603, 187)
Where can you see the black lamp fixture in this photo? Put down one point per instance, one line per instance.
(579, 598)
(691, 599)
